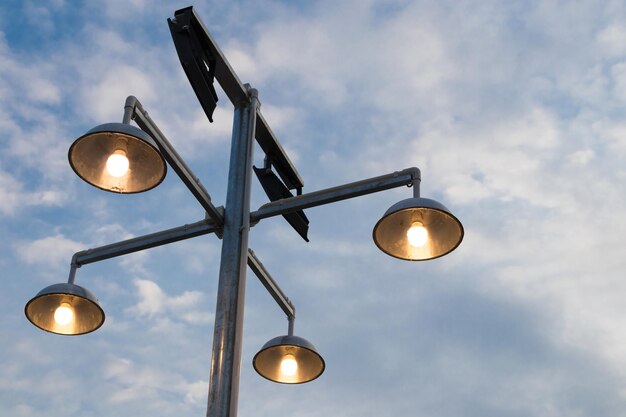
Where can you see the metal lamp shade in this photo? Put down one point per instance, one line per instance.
(445, 232)
(87, 314)
(89, 153)
(268, 361)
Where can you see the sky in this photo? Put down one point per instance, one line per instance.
(514, 112)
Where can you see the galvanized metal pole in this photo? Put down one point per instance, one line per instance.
(226, 354)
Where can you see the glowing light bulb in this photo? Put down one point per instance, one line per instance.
(64, 314)
(289, 366)
(117, 164)
(417, 235)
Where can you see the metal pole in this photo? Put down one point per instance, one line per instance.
(226, 354)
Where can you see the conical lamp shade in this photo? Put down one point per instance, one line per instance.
(90, 157)
(65, 309)
(289, 360)
(439, 232)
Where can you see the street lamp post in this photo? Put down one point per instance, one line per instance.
(121, 158)
(226, 353)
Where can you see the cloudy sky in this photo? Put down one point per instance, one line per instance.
(514, 112)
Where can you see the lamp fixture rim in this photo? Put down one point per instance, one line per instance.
(290, 340)
(126, 129)
(419, 202)
(66, 289)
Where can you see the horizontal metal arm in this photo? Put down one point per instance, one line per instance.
(143, 242)
(173, 158)
(407, 177)
(174, 235)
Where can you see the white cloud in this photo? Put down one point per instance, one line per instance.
(370, 61)
(136, 382)
(11, 194)
(238, 57)
(618, 73)
(30, 128)
(135, 262)
(111, 233)
(154, 303)
(152, 299)
(279, 117)
(111, 85)
(582, 157)
(40, 17)
(613, 39)
(197, 392)
(614, 133)
(139, 382)
(51, 250)
(44, 91)
(124, 10)
(507, 159)
(23, 410)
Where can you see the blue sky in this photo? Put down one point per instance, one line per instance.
(514, 112)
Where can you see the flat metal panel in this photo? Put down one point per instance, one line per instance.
(232, 86)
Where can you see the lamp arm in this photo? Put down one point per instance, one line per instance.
(407, 177)
(174, 235)
(73, 267)
(272, 287)
(136, 244)
(134, 110)
(292, 320)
